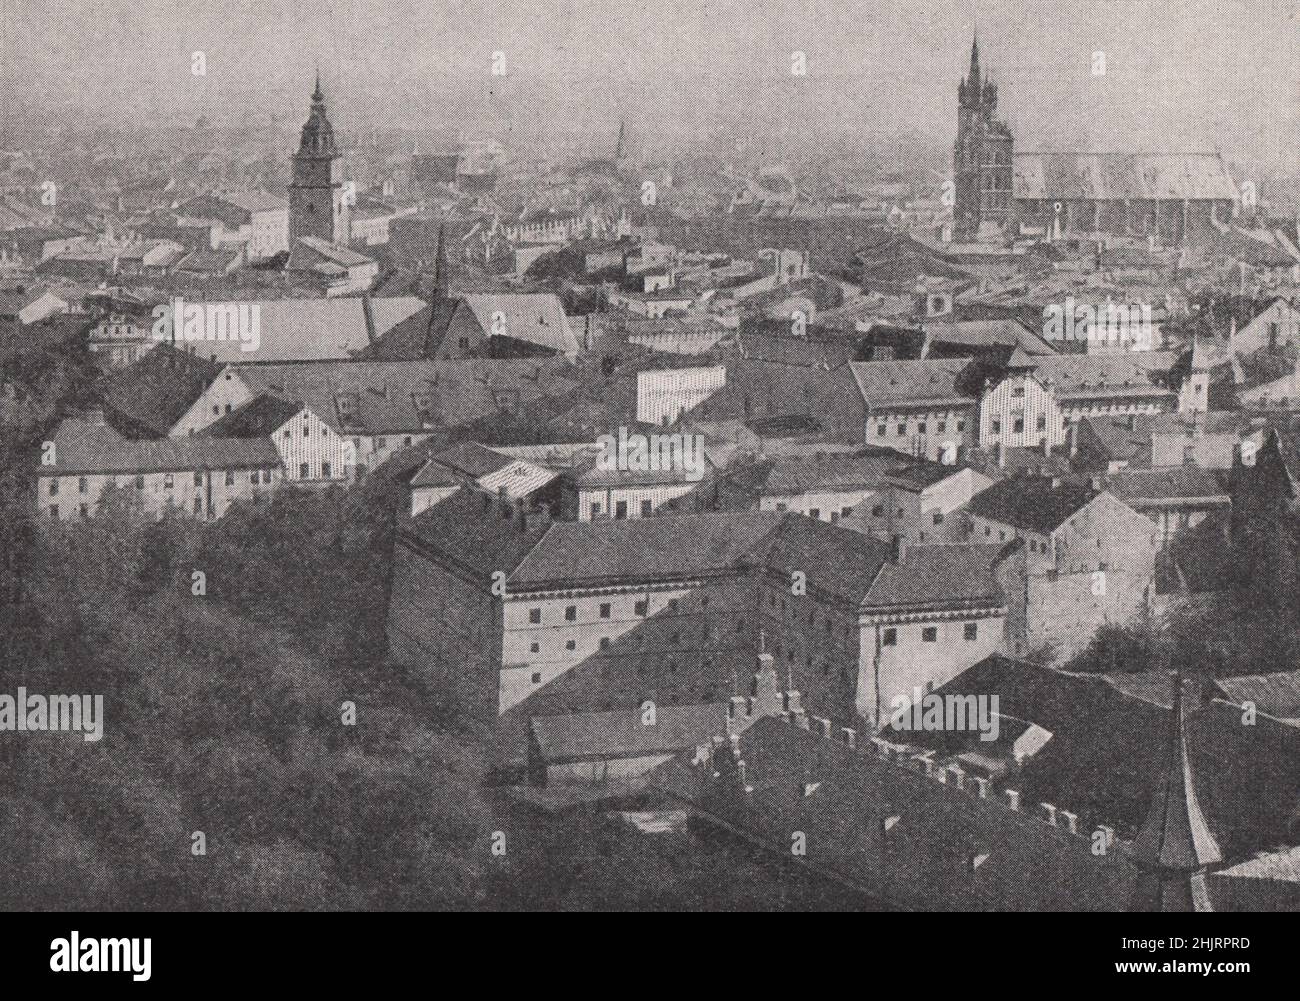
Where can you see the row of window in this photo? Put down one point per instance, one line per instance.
(83, 510)
(169, 480)
(816, 512)
(922, 427)
(812, 618)
(620, 509)
(929, 634)
(606, 610)
(1018, 425)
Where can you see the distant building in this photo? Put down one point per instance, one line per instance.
(381, 407)
(507, 326)
(1163, 197)
(199, 477)
(1081, 558)
(259, 219)
(312, 452)
(603, 615)
(663, 396)
(939, 407)
(32, 303)
(334, 268)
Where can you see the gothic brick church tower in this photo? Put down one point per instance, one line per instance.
(317, 204)
(981, 155)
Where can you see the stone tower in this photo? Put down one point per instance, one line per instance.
(318, 205)
(982, 172)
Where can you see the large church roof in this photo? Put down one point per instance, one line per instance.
(1101, 176)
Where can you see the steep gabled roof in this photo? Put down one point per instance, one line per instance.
(1175, 835)
(886, 384)
(80, 447)
(154, 393)
(1136, 176)
(671, 548)
(1033, 503)
(536, 318)
(260, 417)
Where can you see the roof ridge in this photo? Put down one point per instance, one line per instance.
(532, 549)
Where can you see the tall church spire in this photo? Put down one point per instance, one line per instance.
(441, 283)
(1175, 845)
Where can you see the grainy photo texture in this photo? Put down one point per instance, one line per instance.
(591, 455)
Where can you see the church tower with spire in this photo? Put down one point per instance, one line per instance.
(317, 201)
(1175, 845)
(982, 172)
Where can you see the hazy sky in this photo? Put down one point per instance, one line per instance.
(1181, 74)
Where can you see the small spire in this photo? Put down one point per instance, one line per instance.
(317, 95)
(440, 277)
(1175, 845)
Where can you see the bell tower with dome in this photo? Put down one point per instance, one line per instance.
(317, 202)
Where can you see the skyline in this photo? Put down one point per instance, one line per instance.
(885, 71)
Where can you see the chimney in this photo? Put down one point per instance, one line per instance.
(1095, 483)
(1071, 821)
(981, 786)
(850, 737)
(823, 727)
(1049, 812)
(793, 702)
(765, 688)
(1013, 798)
(958, 776)
(1056, 483)
(898, 550)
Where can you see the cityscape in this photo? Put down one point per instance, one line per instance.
(745, 458)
